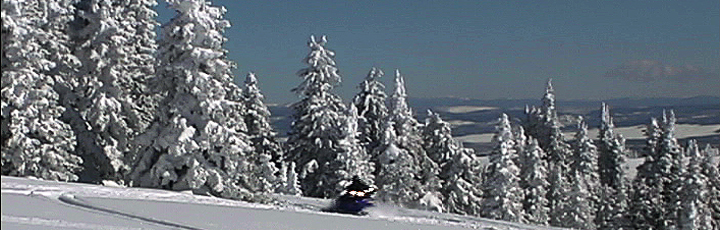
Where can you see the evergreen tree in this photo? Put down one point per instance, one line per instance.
(611, 152)
(351, 160)
(261, 133)
(289, 183)
(461, 179)
(35, 142)
(502, 193)
(541, 121)
(257, 118)
(557, 194)
(694, 211)
(438, 141)
(647, 202)
(578, 213)
(318, 117)
(198, 141)
(544, 125)
(611, 211)
(459, 168)
(370, 102)
(669, 165)
(711, 172)
(585, 163)
(409, 138)
(533, 180)
(115, 44)
(397, 178)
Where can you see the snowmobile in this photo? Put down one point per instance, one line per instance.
(354, 199)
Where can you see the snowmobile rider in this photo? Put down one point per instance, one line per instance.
(358, 189)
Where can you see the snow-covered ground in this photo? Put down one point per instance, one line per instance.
(630, 133)
(38, 204)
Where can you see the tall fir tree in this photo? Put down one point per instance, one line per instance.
(198, 141)
(611, 152)
(459, 168)
(647, 202)
(502, 195)
(584, 162)
(398, 171)
(268, 150)
(438, 141)
(578, 213)
(669, 164)
(315, 133)
(533, 181)
(694, 211)
(710, 170)
(557, 195)
(370, 102)
(612, 209)
(109, 104)
(35, 142)
(351, 159)
(409, 138)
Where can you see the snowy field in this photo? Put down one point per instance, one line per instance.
(630, 133)
(37, 204)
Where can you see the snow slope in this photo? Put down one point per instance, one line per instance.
(37, 204)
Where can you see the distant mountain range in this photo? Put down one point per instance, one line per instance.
(475, 116)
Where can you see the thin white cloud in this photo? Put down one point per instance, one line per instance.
(653, 70)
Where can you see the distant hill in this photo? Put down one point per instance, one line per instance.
(475, 116)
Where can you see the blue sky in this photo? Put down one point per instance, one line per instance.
(485, 49)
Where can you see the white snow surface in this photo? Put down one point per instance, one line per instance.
(38, 204)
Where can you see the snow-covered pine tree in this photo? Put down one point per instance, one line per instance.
(461, 179)
(35, 142)
(257, 118)
(544, 125)
(669, 164)
(611, 211)
(557, 194)
(694, 211)
(288, 178)
(540, 121)
(438, 141)
(370, 102)
(533, 181)
(502, 195)
(317, 120)
(459, 168)
(351, 159)
(409, 138)
(611, 152)
(584, 162)
(198, 141)
(646, 203)
(261, 133)
(710, 170)
(110, 103)
(578, 213)
(398, 171)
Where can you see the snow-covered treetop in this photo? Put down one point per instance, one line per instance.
(321, 75)
(606, 126)
(399, 104)
(669, 124)
(549, 100)
(504, 131)
(372, 92)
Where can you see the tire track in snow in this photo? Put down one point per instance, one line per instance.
(72, 200)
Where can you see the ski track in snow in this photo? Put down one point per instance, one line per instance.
(81, 196)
